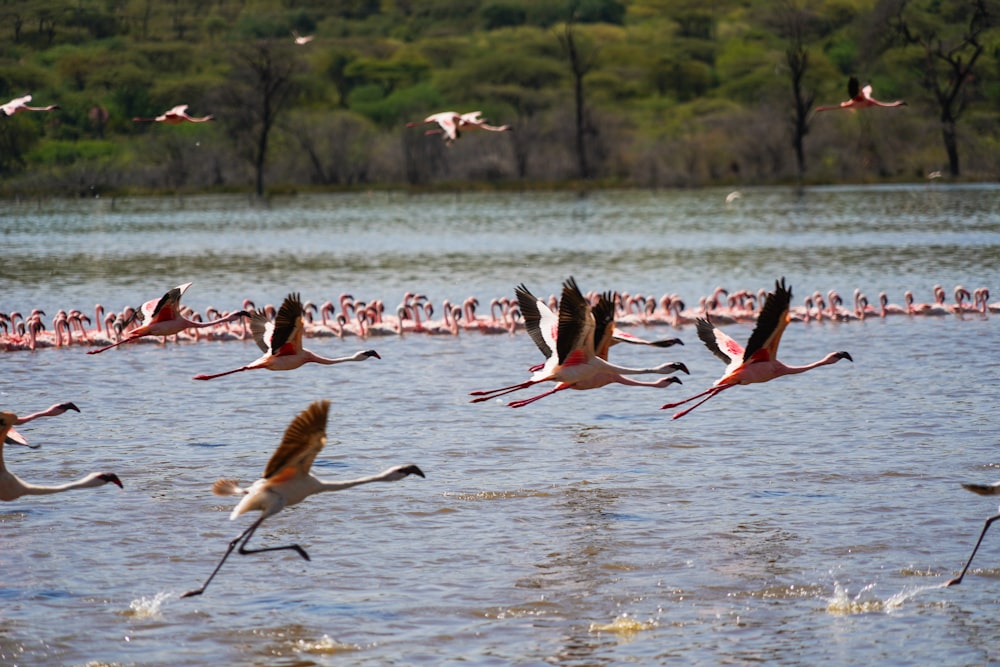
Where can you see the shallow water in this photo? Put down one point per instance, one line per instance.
(808, 520)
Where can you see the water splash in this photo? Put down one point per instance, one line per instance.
(146, 607)
(624, 625)
(325, 645)
(842, 604)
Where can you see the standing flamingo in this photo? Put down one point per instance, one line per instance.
(175, 116)
(163, 318)
(20, 105)
(15, 438)
(573, 344)
(281, 342)
(861, 98)
(288, 481)
(983, 490)
(13, 487)
(759, 362)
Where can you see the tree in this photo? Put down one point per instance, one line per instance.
(260, 87)
(949, 55)
(581, 61)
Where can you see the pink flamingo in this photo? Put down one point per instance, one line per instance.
(20, 105)
(861, 98)
(15, 438)
(759, 361)
(474, 121)
(886, 308)
(175, 116)
(13, 487)
(288, 481)
(447, 125)
(573, 358)
(281, 342)
(983, 490)
(163, 318)
(302, 39)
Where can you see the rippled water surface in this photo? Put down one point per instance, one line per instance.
(810, 520)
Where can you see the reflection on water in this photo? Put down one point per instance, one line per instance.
(786, 523)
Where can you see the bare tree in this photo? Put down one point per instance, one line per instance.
(260, 87)
(948, 60)
(581, 61)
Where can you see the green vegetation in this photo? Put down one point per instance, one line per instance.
(647, 93)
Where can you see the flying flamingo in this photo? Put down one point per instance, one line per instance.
(163, 318)
(281, 342)
(448, 124)
(861, 98)
(759, 362)
(474, 121)
(302, 39)
(20, 105)
(573, 344)
(175, 116)
(983, 490)
(13, 487)
(15, 438)
(287, 481)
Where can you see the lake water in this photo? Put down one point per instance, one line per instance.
(806, 521)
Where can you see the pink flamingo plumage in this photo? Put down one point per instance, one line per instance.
(175, 116)
(281, 342)
(983, 490)
(573, 345)
(163, 318)
(20, 105)
(13, 487)
(447, 124)
(15, 438)
(860, 98)
(759, 361)
(288, 481)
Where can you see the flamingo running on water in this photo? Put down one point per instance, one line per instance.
(983, 490)
(861, 98)
(175, 116)
(20, 105)
(573, 344)
(288, 481)
(13, 487)
(281, 342)
(163, 318)
(759, 361)
(15, 438)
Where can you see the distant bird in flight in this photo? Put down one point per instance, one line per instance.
(13, 487)
(163, 318)
(861, 98)
(302, 39)
(288, 481)
(15, 438)
(281, 342)
(474, 121)
(759, 361)
(20, 105)
(447, 125)
(983, 490)
(175, 116)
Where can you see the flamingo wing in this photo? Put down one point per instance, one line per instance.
(288, 325)
(303, 440)
(540, 322)
(576, 323)
(720, 344)
(262, 330)
(604, 324)
(763, 343)
(853, 87)
(167, 308)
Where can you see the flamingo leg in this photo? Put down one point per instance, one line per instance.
(958, 579)
(493, 393)
(121, 342)
(526, 401)
(218, 375)
(710, 393)
(710, 390)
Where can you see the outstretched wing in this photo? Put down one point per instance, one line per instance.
(303, 440)
(536, 321)
(288, 325)
(167, 308)
(771, 323)
(604, 324)
(262, 330)
(853, 87)
(575, 321)
(720, 344)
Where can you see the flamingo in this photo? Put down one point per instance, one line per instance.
(861, 98)
(287, 481)
(983, 490)
(573, 345)
(302, 39)
(15, 438)
(759, 361)
(13, 487)
(163, 318)
(448, 124)
(474, 121)
(175, 116)
(20, 105)
(281, 342)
